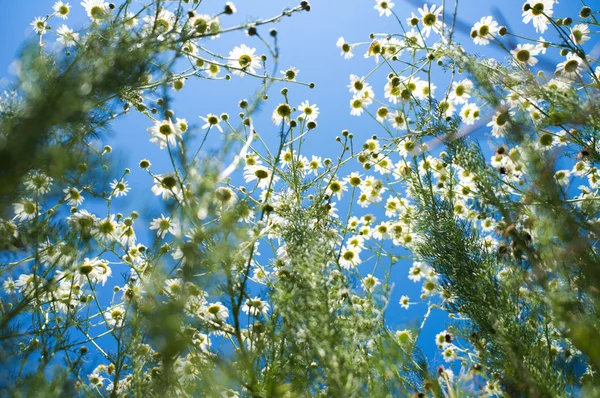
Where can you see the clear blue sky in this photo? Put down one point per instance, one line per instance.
(307, 41)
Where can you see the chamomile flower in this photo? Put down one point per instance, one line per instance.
(282, 113)
(38, 183)
(40, 26)
(309, 112)
(115, 316)
(97, 10)
(164, 133)
(484, 30)
(164, 225)
(160, 23)
(211, 121)
(431, 19)
(315, 164)
(470, 113)
(166, 185)
(570, 67)
(404, 302)
(369, 283)
(461, 91)
(336, 188)
(261, 174)
(217, 312)
(107, 229)
(562, 177)
(500, 122)
(255, 307)
(9, 286)
(538, 11)
(398, 120)
(580, 33)
(243, 59)
(384, 7)
(417, 271)
(26, 209)
(349, 258)
(525, 54)
(61, 9)
(290, 74)
(345, 47)
(119, 188)
(357, 106)
(73, 196)
(66, 36)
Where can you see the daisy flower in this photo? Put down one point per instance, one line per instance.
(398, 120)
(349, 258)
(9, 286)
(164, 225)
(569, 68)
(336, 188)
(315, 164)
(309, 112)
(38, 183)
(369, 283)
(461, 91)
(580, 33)
(66, 36)
(166, 185)
(469, 113)
(255, 307)
(261, 174)
(242, 59)
(562, 177)
(345, 47)
(211, 121)
(217, 312)
(357, 106)
(538, 11)
(115, 316)
(431, 19)
(160, 23)
(26, 209)
(61, 9)
(73, 196)
(281, 114)
(484, 30)
(119, 188)
(106, 229)
(164, 133)
(384, 7)
(40, 26)
(404, 302)
(96, 10)
(290, 74)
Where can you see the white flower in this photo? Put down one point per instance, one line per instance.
(211, 121)
(66, 36)
(562, 176)
(107, 228)
(357, 106)
(369, 283)
(539, 11)
(349, 258)
(525, 54)
(26, 209)
(164, 225)
(167, 186)
(569, 68)
(242, 59)
(309, 112)
(217, 312)
(290, 74)
(97, 10)
(62, 9)
(160, 23)
(461, 91)
(580, 33)
(398, 120)
(40, 26)
(255, 307)
(164, 133)
(484, 30)
(336, 188)
(404, 302)
(469, 113)
(9, 286)
(282, 113)
(430, 17)
(38, 183)
(115, 316)
(261, 174)
(417, 271)
(25, 283)
(73, 197)
(119, 188)
(345, 47)
(384, 7)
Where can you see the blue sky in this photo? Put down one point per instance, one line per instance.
(307, 41)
